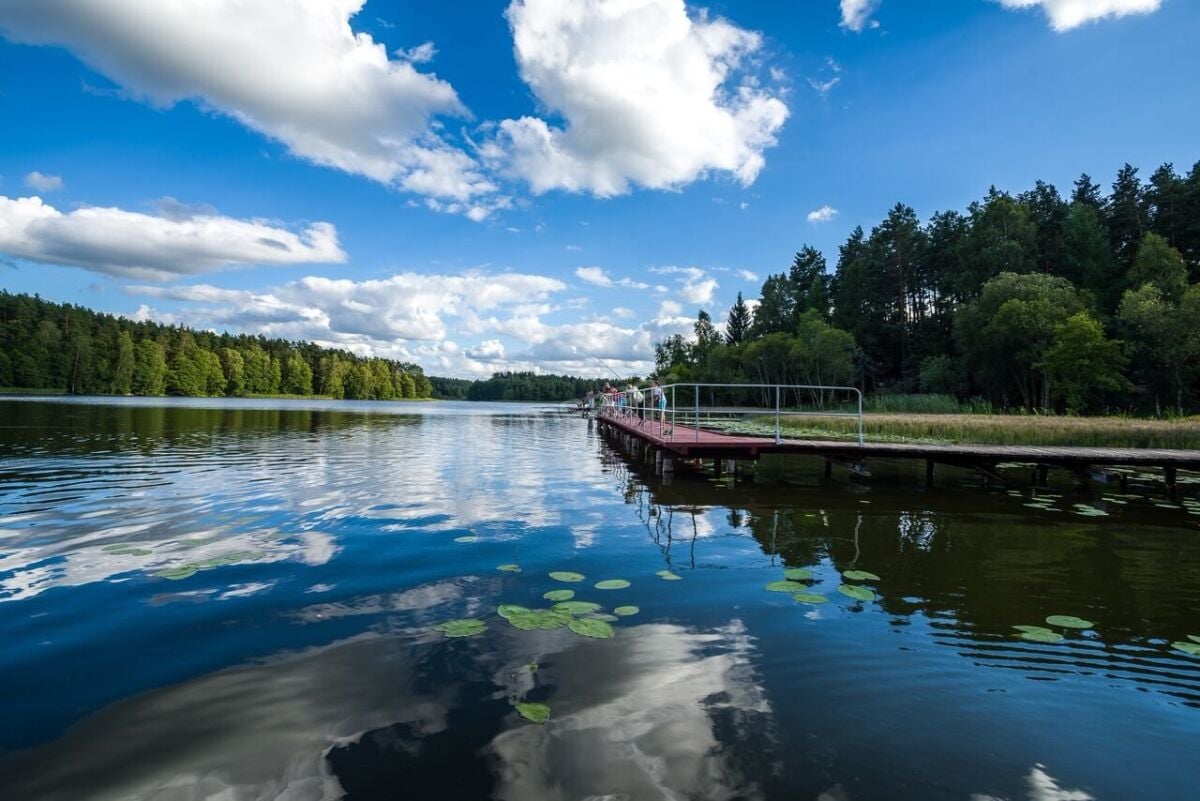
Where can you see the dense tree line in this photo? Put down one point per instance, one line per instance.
(532, 387)
(1033, 300)
(64, 347)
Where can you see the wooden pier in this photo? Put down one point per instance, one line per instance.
(691, 442)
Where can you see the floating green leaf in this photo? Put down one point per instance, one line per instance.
(860, 575)
(466, 538)
(601, 616)
(534, 713)
(856, 592)
(810, 598)
(1194, 637)
(462, 628)
(667, 575)
(1038, 634)
(131, 552)
(577, 607)
(544, 619)
(177, 573)
(626, 611)
(559, 595)
(508, 610)
(509, 568)
(797, 574)
(612, 584)
(1069, 622)
(786, 586)
(599, 629)
(1187, 647)
(566, 575)
(116, 546)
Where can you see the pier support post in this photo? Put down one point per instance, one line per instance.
(1169, 476)
(658, 463)
(668, 466)
(1043, 474)
(928, 472)
(828, 469)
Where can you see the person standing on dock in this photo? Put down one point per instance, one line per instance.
(659, 399)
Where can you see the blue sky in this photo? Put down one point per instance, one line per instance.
(546, 184)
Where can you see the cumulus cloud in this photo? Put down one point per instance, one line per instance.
(747, 275)
(293, 70)
(1067, 14)
(647, 96)
(696, 286)
(40, 182)
(596, 276)
(155, 247)
(856, 14)
(822, 215)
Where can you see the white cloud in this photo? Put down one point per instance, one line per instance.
(622, 312)
(594, 275)
(491, 350)
(822, 215)
(648, 95)
(746, 275)
(155, 247)
(856, 14)
(40, 182)
(293, 70)
(697, 287)
(1067, 14)
(823, 88)
(421, 54)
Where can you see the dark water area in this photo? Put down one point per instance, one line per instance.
(237, 600)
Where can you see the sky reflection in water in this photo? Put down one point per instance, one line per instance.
(298, 661)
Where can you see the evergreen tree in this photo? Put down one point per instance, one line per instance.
(1165, 199)
(737, 327)
(123, 364)
(1125, 214)
(776, 307)
(1087, 258)
(808, 284)
(1088, 193)
(1048, 211)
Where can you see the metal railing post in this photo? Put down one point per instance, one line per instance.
(778, 437)
(860, 418)
(696, 389)
(674, 413)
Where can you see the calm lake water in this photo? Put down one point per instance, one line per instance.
(237, 600)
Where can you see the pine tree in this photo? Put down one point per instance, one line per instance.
(737, 327)
(1125, 213)
(1088, 193)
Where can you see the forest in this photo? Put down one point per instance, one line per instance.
(66, 348)
(1034, 302)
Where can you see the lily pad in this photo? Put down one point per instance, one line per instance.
(1038, 634)
(116, 546)
(462, 628)
(856, 592)
(132, 552)
(177, 573)
(626, 611)
(797, 574)
(599, 629)
(860, 575)
(1069, 622)
(506, 611)
(810, 598)
(667, 575)
(534, 713)
(612, 584)
(566, 575)
(543, 619)
(786, 586)
(577, 607)
(509, 568)
(601, 616)
(1187, 647)
(559, 595)
(1194, 637)
(466, 538)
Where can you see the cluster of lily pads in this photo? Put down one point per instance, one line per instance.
(585, 618)
(1070, 622)
(183, 571)
(794, 578)
(1046, 503)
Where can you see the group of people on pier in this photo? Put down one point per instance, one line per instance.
(632, 401)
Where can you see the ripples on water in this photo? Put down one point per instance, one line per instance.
(298, 660)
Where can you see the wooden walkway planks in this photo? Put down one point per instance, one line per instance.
(688, 442)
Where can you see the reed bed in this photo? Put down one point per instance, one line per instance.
(993, 429)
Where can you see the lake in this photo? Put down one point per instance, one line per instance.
(219, 599)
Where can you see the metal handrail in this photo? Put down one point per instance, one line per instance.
(622, 403)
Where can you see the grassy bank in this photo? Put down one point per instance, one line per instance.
(993, 429)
